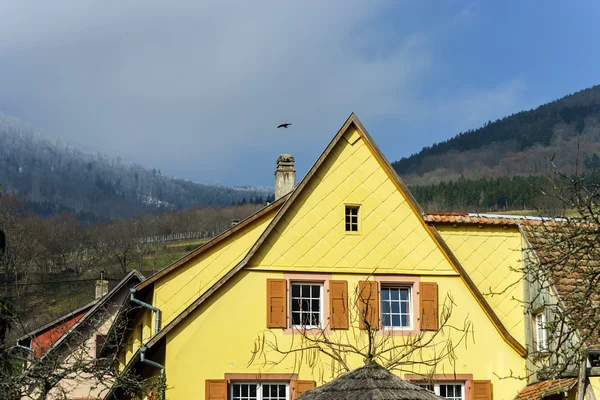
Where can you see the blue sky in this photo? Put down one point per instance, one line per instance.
(197, 88)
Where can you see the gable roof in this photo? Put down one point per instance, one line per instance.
(57, 321)
(542, 389)
(213, 242)
(97, 305)
(288, 201)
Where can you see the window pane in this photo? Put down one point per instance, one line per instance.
(395, 320)
(236, 390)
(295, 318)
(315, 305)
(394, 294)
(305, 291)
(385, 307)
(354, 228)
(405, 321)
(385, 294)
(296, 290)
(252, 391)
(385, 320)
(404, 307)
(316, 291)
(404, 294)
(396, 307)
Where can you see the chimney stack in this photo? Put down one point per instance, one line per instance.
(285, 175)
(101, 286)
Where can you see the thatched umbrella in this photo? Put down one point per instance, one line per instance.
(370, 381)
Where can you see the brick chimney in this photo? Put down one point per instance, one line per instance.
(101, 286)
(285, 175)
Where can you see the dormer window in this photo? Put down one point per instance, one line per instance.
(352, 218)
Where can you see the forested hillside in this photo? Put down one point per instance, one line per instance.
(475, 170)
(515, 144)
(51, 177)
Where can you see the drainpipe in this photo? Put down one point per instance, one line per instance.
(150, 362)
(151, 307)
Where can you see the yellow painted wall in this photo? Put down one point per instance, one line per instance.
(218, 338)
(492, 257)
(595, 384)
(312, 236)
(175, 291)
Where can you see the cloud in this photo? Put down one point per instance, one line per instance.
(197, 88)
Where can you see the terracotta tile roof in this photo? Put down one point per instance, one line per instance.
(543, 389)
(470, 218)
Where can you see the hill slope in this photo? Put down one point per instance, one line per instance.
(51, 177)
(514, 145)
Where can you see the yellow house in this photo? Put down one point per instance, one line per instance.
(444, 298)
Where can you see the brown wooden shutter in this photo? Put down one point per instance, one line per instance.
(368, 304)
(482, 390)
(429, 306)
(216, 389)
(276, 303)
(302, 386)
(338, 299)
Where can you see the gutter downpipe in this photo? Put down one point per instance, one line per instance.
(151, 307)
(151, 363)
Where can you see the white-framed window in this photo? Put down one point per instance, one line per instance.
(541, 332)
(351, 218)
(447, 390)
(306, 304)
(396, 306)
(260, 391)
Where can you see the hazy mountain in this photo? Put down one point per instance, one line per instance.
(53, 176)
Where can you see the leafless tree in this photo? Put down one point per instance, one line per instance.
(364, 341)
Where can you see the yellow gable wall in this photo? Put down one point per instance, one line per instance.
(218, 338)
(311, 235)
(176, 290)
(492, 257)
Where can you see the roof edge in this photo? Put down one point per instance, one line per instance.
(211, 243)
(489, 311)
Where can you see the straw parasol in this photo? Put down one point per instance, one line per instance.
(370, 381)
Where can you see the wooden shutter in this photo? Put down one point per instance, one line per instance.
(368, 304)
(276, 303)
(302, 386)
(429, 306)
(216, 389)
(482, 390)
(338, 299)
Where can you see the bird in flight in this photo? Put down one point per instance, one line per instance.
(284, 125)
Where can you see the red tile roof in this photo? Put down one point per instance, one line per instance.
(543, 389)
(467, 218)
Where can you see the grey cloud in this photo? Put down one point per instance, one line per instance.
(197, 88)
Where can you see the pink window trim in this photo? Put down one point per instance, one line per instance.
(309, 278)
(407, 280)
(442, 378)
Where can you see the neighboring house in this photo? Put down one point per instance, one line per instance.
(42, 338)
(498, 252)
(351, 223)
(76, 338)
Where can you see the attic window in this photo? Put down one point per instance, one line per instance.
(352, 218)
